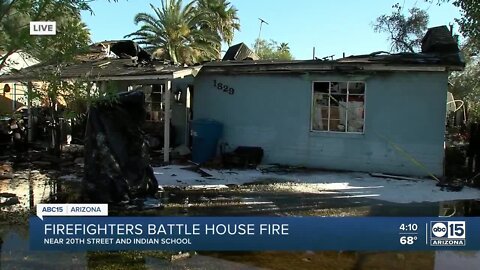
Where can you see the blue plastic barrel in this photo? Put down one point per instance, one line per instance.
(205, 136)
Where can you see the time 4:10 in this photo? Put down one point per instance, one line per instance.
(409, 227)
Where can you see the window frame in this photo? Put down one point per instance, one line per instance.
(312, 108)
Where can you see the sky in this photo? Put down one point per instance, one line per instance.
(333, 27)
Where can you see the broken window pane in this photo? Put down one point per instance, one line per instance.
(356, 88)
(153, 100)
(338, 106)
(355, 98)
(320, 111)
(321, 87)
(336, 99)
(336, 125)
(320, 106)
(343, 88)
(355, 116)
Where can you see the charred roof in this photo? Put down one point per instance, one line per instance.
(119, 58)
(377, 61)
(127, 49)
(115, 68)
(439, 52)
(114, 59)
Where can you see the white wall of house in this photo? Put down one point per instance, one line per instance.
(404, 110)
(17, 96)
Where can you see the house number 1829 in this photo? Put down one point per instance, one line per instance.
(223, 87)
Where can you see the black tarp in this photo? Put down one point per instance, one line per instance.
(239, 52)
(116, 153)
(128, 48)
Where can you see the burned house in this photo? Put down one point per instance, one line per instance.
(122, 66)
(136, 93)
(379, 112)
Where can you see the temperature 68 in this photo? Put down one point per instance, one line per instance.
(408, 240)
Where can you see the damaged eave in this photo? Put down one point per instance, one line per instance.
(189, 71)
(14, 79)
(404, 68)
(339, 68)
(264, 68)
(128, 78)
(124, 74)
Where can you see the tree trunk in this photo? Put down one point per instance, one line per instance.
(55, 140)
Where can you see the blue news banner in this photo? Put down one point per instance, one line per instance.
(254, 233)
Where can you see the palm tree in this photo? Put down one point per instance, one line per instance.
(223, 15)
(173, 33)
(283, 47)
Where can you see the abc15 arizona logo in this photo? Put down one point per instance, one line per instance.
(447, 233)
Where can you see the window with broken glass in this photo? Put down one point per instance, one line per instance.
(153, 100)
(338, 107)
